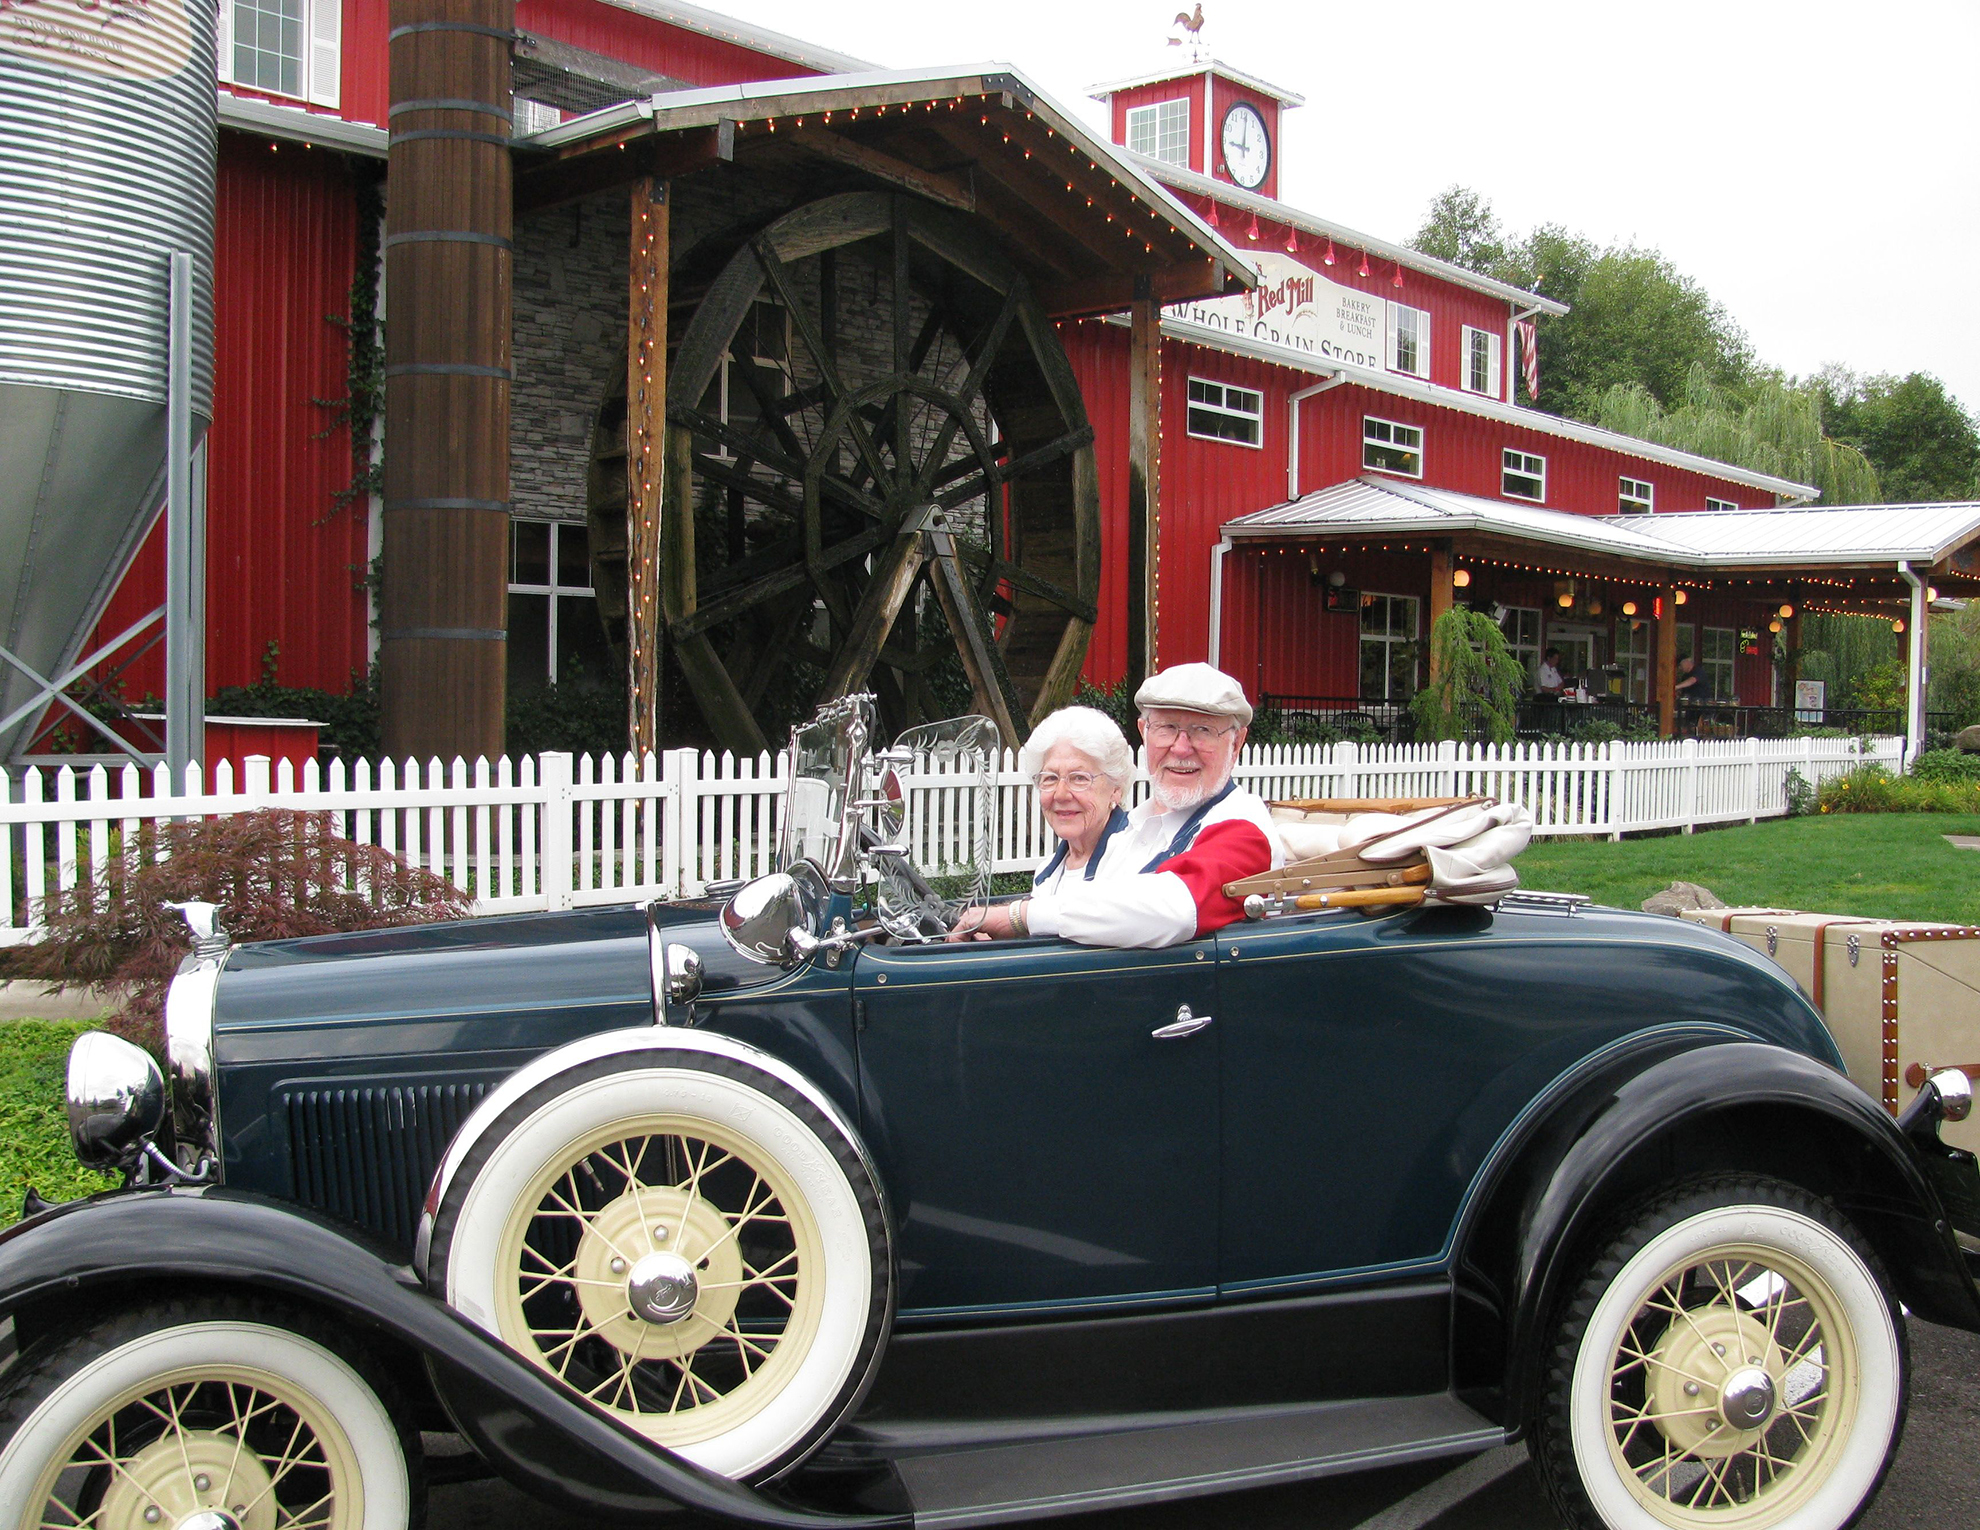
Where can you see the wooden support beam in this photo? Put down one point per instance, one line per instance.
(1665, 688)
(840, 150)
(646, 442)
(1113, 291)
(543, 183)
(1440, 597)
(1144, 480)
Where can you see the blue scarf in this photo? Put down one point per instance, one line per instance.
(1116, 822)
(1186, 835)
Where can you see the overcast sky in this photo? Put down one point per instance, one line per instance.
(1815, 166)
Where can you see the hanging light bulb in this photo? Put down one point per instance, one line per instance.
(1461, 578)
(1629, 608)
(1398, 281)
(1292, 240)
(1364, 263)
(1774, 625)
(1565, 599)
(1682, 597)
(1786, 612)
(1328, 258)
(1897, 626)
(1252, 232)
(1931, 593)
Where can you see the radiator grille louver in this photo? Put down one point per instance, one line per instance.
(367, 1154)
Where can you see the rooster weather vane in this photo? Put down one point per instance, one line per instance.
(1192, 24)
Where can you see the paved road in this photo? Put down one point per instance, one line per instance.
(1931, 1484)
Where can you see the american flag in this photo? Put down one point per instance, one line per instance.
(1529, 356)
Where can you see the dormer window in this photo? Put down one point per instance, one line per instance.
(1161, 131)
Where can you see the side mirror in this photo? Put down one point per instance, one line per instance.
(761, 918)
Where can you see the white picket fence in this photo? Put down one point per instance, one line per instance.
(558, 831)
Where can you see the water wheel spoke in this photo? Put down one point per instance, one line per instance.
(828, 370)
(767, 403)
(996, 569)
(972, 386)
(730, 606)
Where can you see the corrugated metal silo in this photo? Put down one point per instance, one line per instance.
(107, 141)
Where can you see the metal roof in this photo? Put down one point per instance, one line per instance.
(760, 98)
(1208, 66)
(693, 18)
(1704, 539)
(1193, 181)
(294, 124)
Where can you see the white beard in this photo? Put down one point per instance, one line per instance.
(1171, 797)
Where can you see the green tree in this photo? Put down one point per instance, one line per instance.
(1462, 228)
(1924, 446)
(1478, 680)
(1770, 426)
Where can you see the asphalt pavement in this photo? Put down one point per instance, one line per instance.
(1931, 1485)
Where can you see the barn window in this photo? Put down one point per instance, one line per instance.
(1719, 504)
(1635, 496)
(1715, 664)
(1390, 447)
(1221, 412)
(1388, 647)
(1523, 475)
(1160, 131)
(1409, 340)
(555, 634)
(284, 47)
(1483, 352)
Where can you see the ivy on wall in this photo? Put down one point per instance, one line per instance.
(363, 403)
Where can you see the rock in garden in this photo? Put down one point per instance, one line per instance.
(1681, 895)
(1967, 740)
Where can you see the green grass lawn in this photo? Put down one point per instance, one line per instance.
(34, 1127)
(1876, 865)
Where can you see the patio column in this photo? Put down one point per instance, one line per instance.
(1665, 688)
(1144, 513)
(1917, 672)
(1440, 597)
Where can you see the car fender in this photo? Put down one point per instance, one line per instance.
(538, 1434)
(1682, 1103)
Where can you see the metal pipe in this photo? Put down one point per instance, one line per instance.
(1917, 673)
(1292, 428)
(1217, 601)
(184, 684)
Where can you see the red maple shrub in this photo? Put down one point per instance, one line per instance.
(276, 874)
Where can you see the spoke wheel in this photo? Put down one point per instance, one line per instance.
(1736, 1365)
(157, 1423)
(685, 1240)
(873, 435)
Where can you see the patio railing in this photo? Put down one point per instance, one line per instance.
(557, 831)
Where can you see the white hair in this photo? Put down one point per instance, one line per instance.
(1093, 734)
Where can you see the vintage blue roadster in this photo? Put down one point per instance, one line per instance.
(785, 1210)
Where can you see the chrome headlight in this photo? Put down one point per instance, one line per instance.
(116, 1099)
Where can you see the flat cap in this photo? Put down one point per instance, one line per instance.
(1195, 688)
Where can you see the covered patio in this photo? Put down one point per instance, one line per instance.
(1331, 597)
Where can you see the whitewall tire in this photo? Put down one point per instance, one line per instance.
(221, 1404)
(685, 1240)
(1733, 1359)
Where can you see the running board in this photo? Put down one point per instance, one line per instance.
(1004, 1483)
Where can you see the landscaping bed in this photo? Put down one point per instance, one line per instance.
(34, 1126)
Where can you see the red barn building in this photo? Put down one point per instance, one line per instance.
(1300, 442)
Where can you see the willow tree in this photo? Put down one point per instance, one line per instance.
(1476, 680)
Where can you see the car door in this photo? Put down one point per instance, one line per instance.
(1042, 1146)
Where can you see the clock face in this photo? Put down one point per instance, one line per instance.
(1247, 149)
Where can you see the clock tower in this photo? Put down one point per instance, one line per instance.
(1207, 117)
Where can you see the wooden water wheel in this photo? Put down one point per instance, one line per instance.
(877, 456)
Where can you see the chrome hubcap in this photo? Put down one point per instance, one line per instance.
(662, 1288)
(209, 1519)
(1747, 1398)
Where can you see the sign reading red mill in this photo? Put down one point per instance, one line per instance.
(1296, 307)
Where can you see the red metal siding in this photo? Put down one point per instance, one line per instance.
(285, 562)
(1190, 86)
(366, 63)
(651, 44)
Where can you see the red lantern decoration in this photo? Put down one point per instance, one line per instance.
(1328, 258)
(1364, 263)
(1252, 232)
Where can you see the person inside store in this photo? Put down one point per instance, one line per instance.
(1548, 680)
(1082, 766)
(1198, 830)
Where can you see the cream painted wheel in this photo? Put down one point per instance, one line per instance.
(175, 1417)
(1737, 1365)
(685, 1241)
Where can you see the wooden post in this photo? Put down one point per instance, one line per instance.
(1144, 478)
(443, 611)
(1440, 598)
(1791, 642)
(646, 436)
(1667, 652)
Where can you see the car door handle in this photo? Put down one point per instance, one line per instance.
(1185, 1024)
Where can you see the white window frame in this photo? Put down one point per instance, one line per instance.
(1150, 115)
(1417, 331)
(1387, 639)
(1719, 504)
(1223, 408)
(1711, 667)
(319, 65)
(1635, 645)
(1372, 438)
(1526, 649)
(1635, 496)
(1528, 465)
(1495, 355)
(553, 589)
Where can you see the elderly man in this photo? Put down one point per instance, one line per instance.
(1197, 831)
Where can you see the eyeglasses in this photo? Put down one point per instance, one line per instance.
(1073, 781)
(1200, 734)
